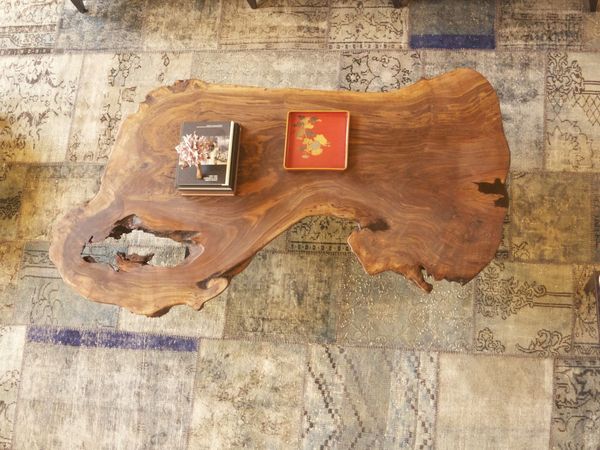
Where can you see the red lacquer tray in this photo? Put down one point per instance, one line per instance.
(316, 140)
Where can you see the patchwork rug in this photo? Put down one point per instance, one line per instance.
(304, 350)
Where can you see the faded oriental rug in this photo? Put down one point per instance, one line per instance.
(303, 350)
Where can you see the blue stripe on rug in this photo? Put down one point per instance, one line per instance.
(110, 339)
(452, 41)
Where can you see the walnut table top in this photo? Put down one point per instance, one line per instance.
(425, 184)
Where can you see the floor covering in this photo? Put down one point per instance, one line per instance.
(304, 350)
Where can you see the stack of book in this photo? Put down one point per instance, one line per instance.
(208, 158)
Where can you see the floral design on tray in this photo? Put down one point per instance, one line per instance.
(317, 140)
(313, 144)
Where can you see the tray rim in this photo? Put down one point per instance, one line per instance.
(287, 128)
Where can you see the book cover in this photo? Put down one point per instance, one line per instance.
(207, 156)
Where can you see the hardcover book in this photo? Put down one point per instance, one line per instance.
(208, 156)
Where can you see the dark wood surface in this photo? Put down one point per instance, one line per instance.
(425, 184)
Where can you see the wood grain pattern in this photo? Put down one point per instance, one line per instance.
(425, 184)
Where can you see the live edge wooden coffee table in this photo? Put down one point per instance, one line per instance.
(425, 184)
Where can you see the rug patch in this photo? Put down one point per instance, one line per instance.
(287, 24)
(586, 327)
(108, 24)
(268, 68)
(553, 24)
(38, 96)
(546, 228)
(320, 234)
(573, 112)
(591, 31)
(452, 25)
(112, 87)
(287, 296)
(369, 398)
(28, 26)
(50, 192)
(367, 25)
(102, 397)
(196, 28)
(524, 309)
(12, 340)
(12, 184)
(41, 297)
(10, 257)
(388, 310)
(576, 403)
(247, 394)
(379, 71)
(478, 397)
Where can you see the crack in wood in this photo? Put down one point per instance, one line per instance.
(495, 188)
(123, 261)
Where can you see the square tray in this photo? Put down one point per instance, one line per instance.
(316, 140)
